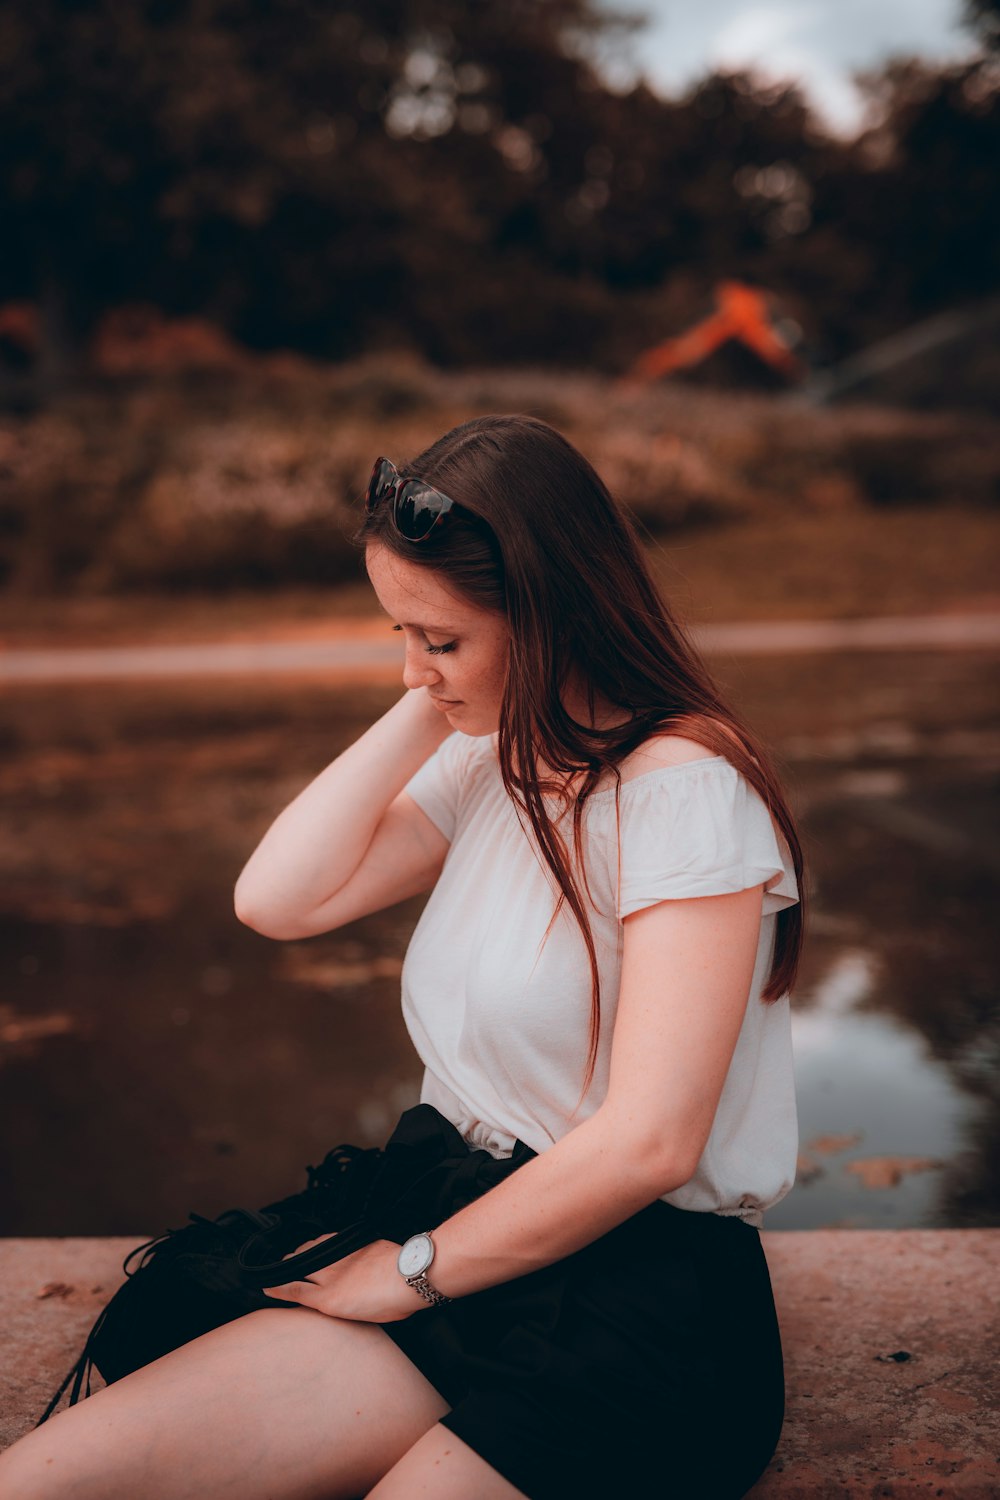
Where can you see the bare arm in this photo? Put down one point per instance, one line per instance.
(673, 1042)
(340, 823)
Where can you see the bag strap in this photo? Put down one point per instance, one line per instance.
(256, 1276)
(83, 1368)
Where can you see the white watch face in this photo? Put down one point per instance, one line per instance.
(416, 1255)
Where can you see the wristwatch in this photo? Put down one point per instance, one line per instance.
(413, 1259)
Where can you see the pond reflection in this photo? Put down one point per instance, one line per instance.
(876, 1077)
(157, 1057)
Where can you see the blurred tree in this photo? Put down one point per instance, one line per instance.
(456, 175)
(983, 18)
(277, 167)
(908, 218)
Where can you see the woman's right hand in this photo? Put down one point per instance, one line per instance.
(314, 846)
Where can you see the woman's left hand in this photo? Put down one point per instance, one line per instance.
(365, 1286)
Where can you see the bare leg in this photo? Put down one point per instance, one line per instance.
(442, 1467)
(282, 1404)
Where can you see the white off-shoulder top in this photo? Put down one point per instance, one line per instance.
(502, 1022)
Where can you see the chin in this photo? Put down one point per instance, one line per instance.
(475, 725)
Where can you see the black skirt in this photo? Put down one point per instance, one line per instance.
(650, 1360)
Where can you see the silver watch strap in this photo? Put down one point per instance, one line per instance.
(423, 1286)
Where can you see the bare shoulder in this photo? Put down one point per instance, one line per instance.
(663, 750)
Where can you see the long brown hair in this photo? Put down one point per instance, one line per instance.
(538, 537)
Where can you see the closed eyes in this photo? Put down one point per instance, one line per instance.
(435, 650)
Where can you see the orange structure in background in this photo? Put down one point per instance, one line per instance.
(742, 312)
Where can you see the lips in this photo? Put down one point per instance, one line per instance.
(446, 702)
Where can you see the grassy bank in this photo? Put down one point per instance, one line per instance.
(807, 567)
(203, 504)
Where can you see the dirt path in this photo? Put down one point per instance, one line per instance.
(353, 649)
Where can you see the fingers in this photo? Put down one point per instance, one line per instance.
(292, 1291)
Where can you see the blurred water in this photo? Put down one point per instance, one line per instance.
(868, 1088)
(157, 1057)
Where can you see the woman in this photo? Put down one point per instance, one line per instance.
(598, 989)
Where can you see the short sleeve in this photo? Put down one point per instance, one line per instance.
(699, 829)
(437, 786)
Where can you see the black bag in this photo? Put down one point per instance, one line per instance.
(191, 1280)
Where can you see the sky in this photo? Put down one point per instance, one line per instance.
(818, 43)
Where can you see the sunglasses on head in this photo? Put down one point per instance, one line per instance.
(416, 507)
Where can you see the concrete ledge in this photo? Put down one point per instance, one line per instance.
(861, 1420)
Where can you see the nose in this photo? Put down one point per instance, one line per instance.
(418, 668)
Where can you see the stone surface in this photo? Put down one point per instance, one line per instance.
(861, 1420)
(858, 1421)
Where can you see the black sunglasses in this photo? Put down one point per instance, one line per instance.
(416, 507)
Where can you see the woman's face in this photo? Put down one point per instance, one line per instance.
(454, 649)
